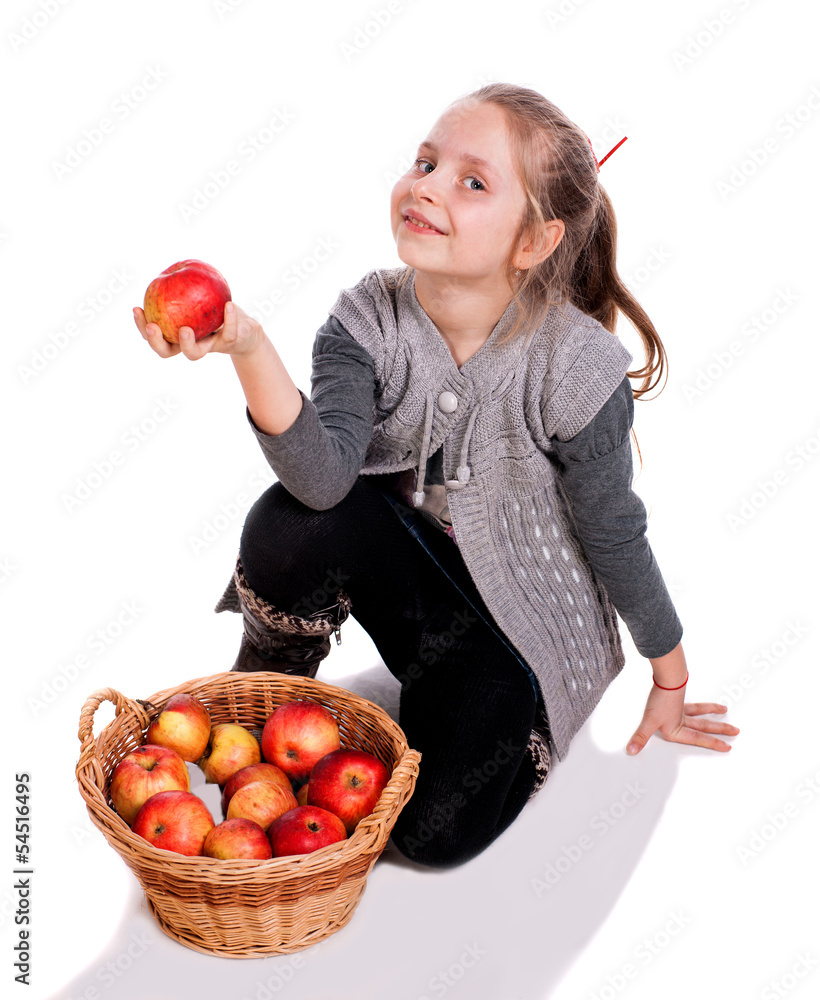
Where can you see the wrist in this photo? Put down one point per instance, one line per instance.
(670, 671)
(676, 687)
(256, 347)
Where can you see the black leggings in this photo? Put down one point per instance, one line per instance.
(467, 704)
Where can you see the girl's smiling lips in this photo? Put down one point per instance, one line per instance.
(411, 218)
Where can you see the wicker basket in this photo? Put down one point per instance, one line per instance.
(248, 909)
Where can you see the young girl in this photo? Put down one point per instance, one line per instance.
(460, 479)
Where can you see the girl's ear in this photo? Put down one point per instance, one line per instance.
(538, 246)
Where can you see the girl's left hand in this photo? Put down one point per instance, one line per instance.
(679, 722)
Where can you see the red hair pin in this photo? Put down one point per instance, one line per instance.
(599, 162)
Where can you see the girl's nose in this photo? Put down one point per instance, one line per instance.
(423, 187)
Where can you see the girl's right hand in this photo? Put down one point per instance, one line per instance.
(239, 334)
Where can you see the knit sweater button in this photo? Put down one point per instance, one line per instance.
(447, 402)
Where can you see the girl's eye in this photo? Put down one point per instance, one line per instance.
(420, 164)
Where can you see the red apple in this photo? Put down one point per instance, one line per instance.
(183, 725)
(348, 783)
(302, 794)
(237, 838)
(230, 748)
(298, 734)
(174, 821)
(144, 772)
(261, 801)
(188, 293)
(254, 772)
(305, 829)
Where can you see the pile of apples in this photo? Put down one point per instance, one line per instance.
(306, 794)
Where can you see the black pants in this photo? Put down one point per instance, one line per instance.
(467, 704)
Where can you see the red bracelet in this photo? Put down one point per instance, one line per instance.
(672, 689)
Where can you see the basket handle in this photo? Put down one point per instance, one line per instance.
(93, 702)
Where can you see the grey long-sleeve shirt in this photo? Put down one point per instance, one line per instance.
(320, 456)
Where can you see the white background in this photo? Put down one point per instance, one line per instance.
(706, 885)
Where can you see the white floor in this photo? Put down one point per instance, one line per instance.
(266, 141)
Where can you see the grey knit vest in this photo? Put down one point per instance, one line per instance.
(512, 521)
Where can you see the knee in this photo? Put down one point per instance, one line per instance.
(289, 555)
(273, 545)
(270, 531)
(440, 835)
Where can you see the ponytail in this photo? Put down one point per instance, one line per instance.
(598, 291)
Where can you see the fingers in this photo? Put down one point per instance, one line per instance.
(152, 333)
(220, 340)
(704, 708)
(700, 739)
(637, 743)
(711, 726)
(692, 710)
(192, 348)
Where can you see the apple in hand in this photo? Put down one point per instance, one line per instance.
(305, 829)
(188, 293)
(144, 772)
(230, 748)
(254, 772)
(237, 838)
(174, 821)
(261, 801)
(183, 725)
(348, 783)
(296, 735)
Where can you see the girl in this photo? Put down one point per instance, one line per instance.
(460, 479)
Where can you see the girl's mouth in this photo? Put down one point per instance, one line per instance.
(417, 226)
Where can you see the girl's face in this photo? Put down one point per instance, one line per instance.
(465, 185)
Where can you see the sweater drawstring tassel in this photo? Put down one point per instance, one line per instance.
(418, 495)
(463, 470)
